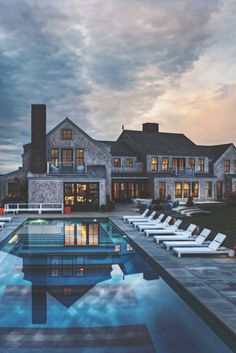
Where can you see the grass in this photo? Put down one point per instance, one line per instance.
(222, 218)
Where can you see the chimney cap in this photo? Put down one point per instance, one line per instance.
(151, 127)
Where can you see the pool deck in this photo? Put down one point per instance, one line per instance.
(208, 283)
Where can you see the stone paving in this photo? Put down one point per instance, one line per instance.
(208, 282)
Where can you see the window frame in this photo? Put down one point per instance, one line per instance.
(162, 189)
(114, 162)
(209, 189)
(179, 194)
(227, 166)
(154, 166)
(79, 158)
(70, 134)
(127, 161)
(201, 164)
(165, 164)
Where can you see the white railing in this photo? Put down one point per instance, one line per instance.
(33, 207)
(66, 168)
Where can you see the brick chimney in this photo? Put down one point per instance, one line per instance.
(151, 127)
(38, 139)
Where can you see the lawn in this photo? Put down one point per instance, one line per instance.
(222, 218)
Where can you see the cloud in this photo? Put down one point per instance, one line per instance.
(110, 63)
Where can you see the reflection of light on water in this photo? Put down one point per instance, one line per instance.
(14, 239)
(37, 221)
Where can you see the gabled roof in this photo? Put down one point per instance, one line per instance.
(117, 148)
(163, 143)
(67, 120)
(216, 151)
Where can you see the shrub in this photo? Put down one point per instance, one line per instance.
(190, 202)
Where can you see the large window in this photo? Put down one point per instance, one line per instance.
(227, 166)
(67, 157)
(186, 189)
(154, 165)
(54, 156)
(178, 190)
(178, 163)
(165, 164)
(67, 134)
(209, 189)
(162, 189)
(79, 155)
(69, 234)
(129, 162)
(201, 165)
(117, 162)
(195, 189)
(191, 163)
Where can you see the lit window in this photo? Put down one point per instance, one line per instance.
(69, 234)
(54, 155)
(79, 156)
(209, 189)
(154, 166)
(195, 189)
(178, 163)
(165, 164)
(227, 166)
(117, 162)
(228, 186)
(67, 134)
(186, 190)
(93, 234)
(129, 162)
(201, 165)
(178, 190)
(162, 189)
(81, 234)
(191, 163)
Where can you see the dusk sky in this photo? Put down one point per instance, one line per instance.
(108, 63)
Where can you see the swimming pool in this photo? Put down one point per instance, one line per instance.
(69, 285)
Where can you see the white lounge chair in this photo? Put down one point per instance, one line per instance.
(144, 220)
(2, 224)
(144, 214)
(198, 241)
(182, 235)
(155, 225)
(171, 230)
(213, 248)
(5, 219)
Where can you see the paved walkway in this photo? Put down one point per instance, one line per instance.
(208, 284)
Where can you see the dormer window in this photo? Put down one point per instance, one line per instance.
(227, 166)
(129, 162)
(201, 165)
(117, 162)
(154, 165)
(165, 164)
(67, 134)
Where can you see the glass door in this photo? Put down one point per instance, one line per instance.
(67, 160)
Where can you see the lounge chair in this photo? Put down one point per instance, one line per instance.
(155, 225)
(144, 220)
(2, 224)
(198, 241)
(155, 229)
(144, 214)
(5, 219)
(182, 235)
(213, 248)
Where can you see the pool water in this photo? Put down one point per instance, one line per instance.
(79, 286)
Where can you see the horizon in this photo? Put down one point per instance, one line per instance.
(126, 64)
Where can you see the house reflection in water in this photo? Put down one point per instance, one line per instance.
(67, 259)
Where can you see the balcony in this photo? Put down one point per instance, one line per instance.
(182, 172)
(66, 168)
